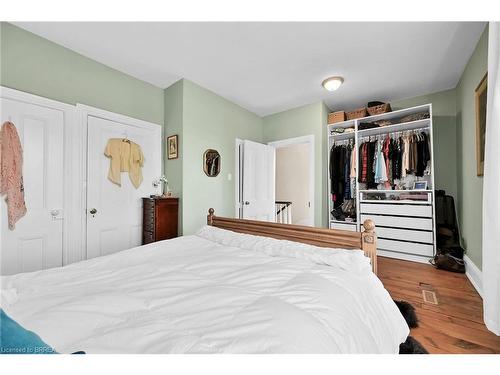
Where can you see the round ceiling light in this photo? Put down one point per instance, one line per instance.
(332, 83)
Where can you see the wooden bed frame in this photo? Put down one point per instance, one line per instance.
(366, 240)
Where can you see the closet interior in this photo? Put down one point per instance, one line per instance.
(382, 167)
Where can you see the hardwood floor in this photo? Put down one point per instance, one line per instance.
(455, 324)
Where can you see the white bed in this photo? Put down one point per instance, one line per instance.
(214, 292)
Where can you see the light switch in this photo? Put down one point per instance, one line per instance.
(229, 176)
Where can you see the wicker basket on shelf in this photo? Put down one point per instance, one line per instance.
(379, 109)
(336, 117)
(357, 113)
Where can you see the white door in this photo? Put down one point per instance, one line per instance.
(36, 242)
(258, 178)
(117, 222)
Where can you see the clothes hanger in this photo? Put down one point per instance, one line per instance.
(125, 137)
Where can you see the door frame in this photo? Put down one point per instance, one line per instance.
(306, 139)
(71, 183)
(83, 112)
(237, 175)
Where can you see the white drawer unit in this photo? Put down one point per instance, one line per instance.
(406, 234)
(343, 226)
(401, 228)
(399, 221)
(414, 210)
(413, 248)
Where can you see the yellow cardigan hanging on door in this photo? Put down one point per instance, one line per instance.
(126, 156)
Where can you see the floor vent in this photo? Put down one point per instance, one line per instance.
(429, 297)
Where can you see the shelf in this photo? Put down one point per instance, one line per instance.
(419, 124)
(343, 222)
(397, 114)
(343, 124)
(394, 201)
(393, 191)
(341, 136)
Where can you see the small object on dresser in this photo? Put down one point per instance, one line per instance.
(160, 219)
(334, 117)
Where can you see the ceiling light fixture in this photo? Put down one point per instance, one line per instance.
(332, 83)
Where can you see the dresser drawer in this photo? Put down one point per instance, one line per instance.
(148, 224)
(343, 226)
(405, 247)
(159, 219)
(147, 237)
(405, 234)
(399, 222)
(417, 210)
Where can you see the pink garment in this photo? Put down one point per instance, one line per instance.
(11, 173)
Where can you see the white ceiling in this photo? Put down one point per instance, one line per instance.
(271, 67)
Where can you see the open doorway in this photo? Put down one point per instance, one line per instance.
(294, 176)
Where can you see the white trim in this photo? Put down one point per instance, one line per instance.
(474, 274)
(112, 116)
(71, 245)
(83, 112)
(237, 182)
(306, 139)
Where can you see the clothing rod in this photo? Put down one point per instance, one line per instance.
(407, 131)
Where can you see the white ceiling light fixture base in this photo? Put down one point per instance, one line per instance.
(332, 83)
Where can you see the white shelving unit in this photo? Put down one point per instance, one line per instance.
(406, 227)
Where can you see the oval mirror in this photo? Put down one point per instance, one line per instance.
(211, 163)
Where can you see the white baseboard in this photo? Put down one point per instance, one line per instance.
(474, 274)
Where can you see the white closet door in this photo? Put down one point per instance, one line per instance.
(258, 181)
(36, 241)
(117, 222)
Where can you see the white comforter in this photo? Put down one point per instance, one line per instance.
(214, 292)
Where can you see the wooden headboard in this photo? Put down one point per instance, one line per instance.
(366, 240)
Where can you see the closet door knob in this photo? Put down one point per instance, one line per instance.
(247, 203)
(92, 211)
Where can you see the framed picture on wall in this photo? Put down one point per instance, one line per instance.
(481, 97)
(173, 147)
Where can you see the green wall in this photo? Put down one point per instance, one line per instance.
(35, 65)
(208, 121)
(470, 186)
(305, 120)
(455, 147)
(174, 106)
(444, 136)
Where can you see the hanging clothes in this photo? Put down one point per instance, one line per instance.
(405, 163)
(380, 168)
(362, 161)
(396, 158)
(370, 165)
(347, 172)
(386, 161)
(11, 173)
(337, 174)
(424, 155)
(353, 172)
(386, 150)
(126, 156)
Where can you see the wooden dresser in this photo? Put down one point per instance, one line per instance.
(159, 219)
